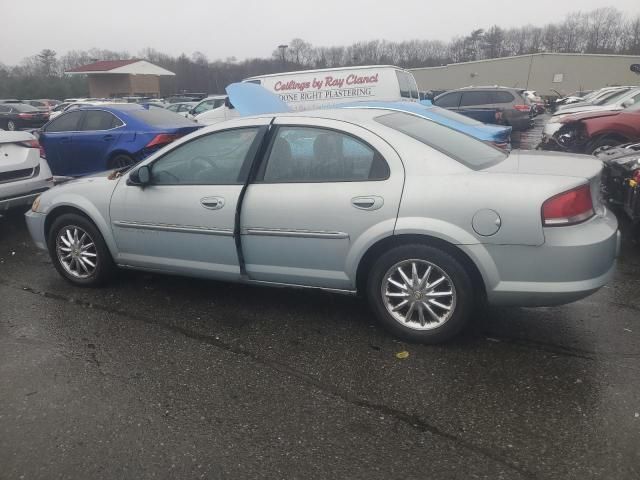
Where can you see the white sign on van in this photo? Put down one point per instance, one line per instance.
(329, 87)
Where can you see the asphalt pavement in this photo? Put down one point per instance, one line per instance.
(166, 377)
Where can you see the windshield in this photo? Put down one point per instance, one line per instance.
(611, 97)
(461, 147)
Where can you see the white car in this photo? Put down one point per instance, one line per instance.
(182, 108)
(24, 173)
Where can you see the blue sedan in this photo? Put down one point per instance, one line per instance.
(497, 135)
(102, 137)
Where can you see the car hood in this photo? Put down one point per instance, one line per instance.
(251, 99)
(574, 117)
(549, 163)
(585, 108)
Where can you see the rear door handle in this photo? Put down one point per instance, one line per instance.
(367, 203)
(212, 203)
(108, 138)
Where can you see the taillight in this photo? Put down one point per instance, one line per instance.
(34, 144)
(162, 139)
(568, 208)
(522, 108)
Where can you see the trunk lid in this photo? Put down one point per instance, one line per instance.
(549, 163)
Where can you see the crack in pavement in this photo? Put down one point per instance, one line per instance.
(409, 419)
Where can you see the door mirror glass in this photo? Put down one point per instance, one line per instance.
(144, 175)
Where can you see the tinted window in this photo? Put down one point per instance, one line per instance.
(465, 149)
(214, 159)
(501, 96)
(448, 100)
(173, 108)
(67, 122)
(304, 154)
(100, 120)
(159, 117)
(4, 109)
(476, 97)
(456, 117)
(23, 107)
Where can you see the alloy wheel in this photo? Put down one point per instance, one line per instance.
(418, 294)
(76, 251)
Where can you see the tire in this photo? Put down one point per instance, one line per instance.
(603, 143)
(81, 239)
(120, 161)
(11, 126)
(436, 324)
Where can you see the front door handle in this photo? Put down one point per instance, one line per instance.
(367, 203)
(212, 203)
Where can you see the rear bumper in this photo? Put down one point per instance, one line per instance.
(573, 263)
(24, 200)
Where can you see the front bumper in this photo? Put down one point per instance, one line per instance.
(573, 263)
(35, 224)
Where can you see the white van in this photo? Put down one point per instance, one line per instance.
(310, 89)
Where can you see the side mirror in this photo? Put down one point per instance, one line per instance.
(140, 177)
(628, 103)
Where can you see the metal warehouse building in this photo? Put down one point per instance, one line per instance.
(543, 72)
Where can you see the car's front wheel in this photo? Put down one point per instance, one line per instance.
(420, 293)
(79, 252)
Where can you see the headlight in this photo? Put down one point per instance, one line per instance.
(36, 204)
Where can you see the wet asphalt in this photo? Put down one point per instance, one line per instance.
(165, 377)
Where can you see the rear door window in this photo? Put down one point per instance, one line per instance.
(67, 122)
(404, 83)
(476, 97)
(100, 120)
(448, 100)
(502, 97)
(317, 155)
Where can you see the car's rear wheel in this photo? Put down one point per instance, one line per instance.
(11, 125)
(420, 293)
(79, 252)
(120, 161)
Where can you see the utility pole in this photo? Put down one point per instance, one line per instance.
(283, 48)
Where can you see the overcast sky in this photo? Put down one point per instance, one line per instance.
(253, 28)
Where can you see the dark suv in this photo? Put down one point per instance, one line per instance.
(503, 105)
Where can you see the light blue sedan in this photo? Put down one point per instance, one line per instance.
(421, 219)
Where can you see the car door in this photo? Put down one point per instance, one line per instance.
(98, 133)
(183, 221)
(325, 191)
(57, 140)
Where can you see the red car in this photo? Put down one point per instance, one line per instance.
(589, 132)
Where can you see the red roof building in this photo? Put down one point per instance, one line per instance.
(121, 78)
